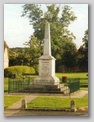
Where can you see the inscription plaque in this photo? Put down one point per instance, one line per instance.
(45, 68)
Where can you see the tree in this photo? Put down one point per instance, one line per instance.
(19, 56)
(34, 51)
(85, 46)
(59, 20)
(83, 52)
(69, 57)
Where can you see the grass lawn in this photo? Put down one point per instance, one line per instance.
(9, 100)
(83, 79)
(52, 102)
(57, 102)
(82, 76)
(72, 75)
(84, 88)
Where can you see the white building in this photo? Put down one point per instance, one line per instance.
(6, 55)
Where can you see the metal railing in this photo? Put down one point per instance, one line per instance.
(17, 85)
(27, 85)
(74, 85)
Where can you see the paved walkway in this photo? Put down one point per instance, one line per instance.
(79, 94)
(17, 105)
(42, 113)
(29, 97)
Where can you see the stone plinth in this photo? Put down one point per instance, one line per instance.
(47, 71)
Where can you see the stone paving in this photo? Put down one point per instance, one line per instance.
(28, 97)
(24, 113)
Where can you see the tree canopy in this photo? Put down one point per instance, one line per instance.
(62, 46)
(61, 38)
(83, 52)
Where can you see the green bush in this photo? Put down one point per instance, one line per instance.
(18, 71)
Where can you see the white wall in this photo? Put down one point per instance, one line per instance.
(6, 58)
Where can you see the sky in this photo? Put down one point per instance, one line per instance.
(17, 29)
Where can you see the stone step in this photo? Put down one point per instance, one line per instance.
(43, 89)
(65, 90)
(47, 89)
(40, 91)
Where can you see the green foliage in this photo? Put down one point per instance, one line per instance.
(57, 102)
(83, 52)
(33, 15)
(18, 71)
(69, 57)
(38, 17)
(67, 16)
(34, 49)
(59, 20)
(26, 56)
(9, 100)
(85, 40)
(19, 56)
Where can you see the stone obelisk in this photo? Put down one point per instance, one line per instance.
(47, 63)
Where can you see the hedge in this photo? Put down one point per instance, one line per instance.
(18, 71)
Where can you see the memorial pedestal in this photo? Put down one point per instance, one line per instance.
(46, 71)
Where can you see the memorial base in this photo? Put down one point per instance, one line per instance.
(49, 80)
